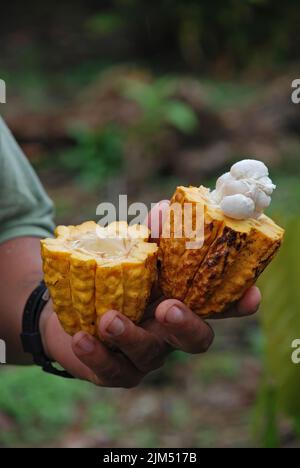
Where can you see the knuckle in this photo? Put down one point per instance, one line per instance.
(153, 358)
(154, 364)
(203, 343)
(113, 374)
(122, 379)
(106, 376)
(173, 342)
(115, 378)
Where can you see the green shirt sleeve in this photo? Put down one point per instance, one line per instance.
(25, 208)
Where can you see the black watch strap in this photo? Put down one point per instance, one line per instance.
(31, 337)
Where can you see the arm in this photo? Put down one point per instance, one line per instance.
(25, 215)
(141, 348)
(21, 271)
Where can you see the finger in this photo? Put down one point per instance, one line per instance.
(248, 305)
(156, 219)
(250, 302)
(108, 368)
(182, 328)
(143, 348)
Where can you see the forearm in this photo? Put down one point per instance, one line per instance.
(20, 272)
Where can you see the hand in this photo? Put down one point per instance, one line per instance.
(128, 352)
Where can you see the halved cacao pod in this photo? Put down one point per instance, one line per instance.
(89, 270)
(232, 256)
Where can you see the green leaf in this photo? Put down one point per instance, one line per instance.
(281, 320)
(143, 94)
(96, 156)
(181, 116)
(265, 417)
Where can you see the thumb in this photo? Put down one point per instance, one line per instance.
(156, 218)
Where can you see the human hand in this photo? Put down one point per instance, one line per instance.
(127, 351)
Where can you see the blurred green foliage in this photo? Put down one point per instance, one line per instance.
(286, 200)
(99, 154)
(225, 365)
(159, 107)
(281, 326)
(95, 156)
(198, 36)
(103, 414)
(104, 23)
(230, 34)
(221, 94)
(38, 411)
(47, 56)
(266, 417)
(281, 318)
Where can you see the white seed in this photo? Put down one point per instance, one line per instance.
(249, 168)
(227, 177)
(262, 201)
(245, 191)
(266, 184)
(216, 197)
(238, 206)
(234, 187)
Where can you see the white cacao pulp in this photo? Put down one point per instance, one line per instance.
(244, 192)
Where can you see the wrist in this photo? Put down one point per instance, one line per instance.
(44, 328)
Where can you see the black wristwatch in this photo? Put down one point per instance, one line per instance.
(31, 337)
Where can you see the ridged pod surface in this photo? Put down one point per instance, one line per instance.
(89, 270)
(232, 256)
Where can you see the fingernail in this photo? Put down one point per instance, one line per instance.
(174, 315)
(86, 344)
(116, 327)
